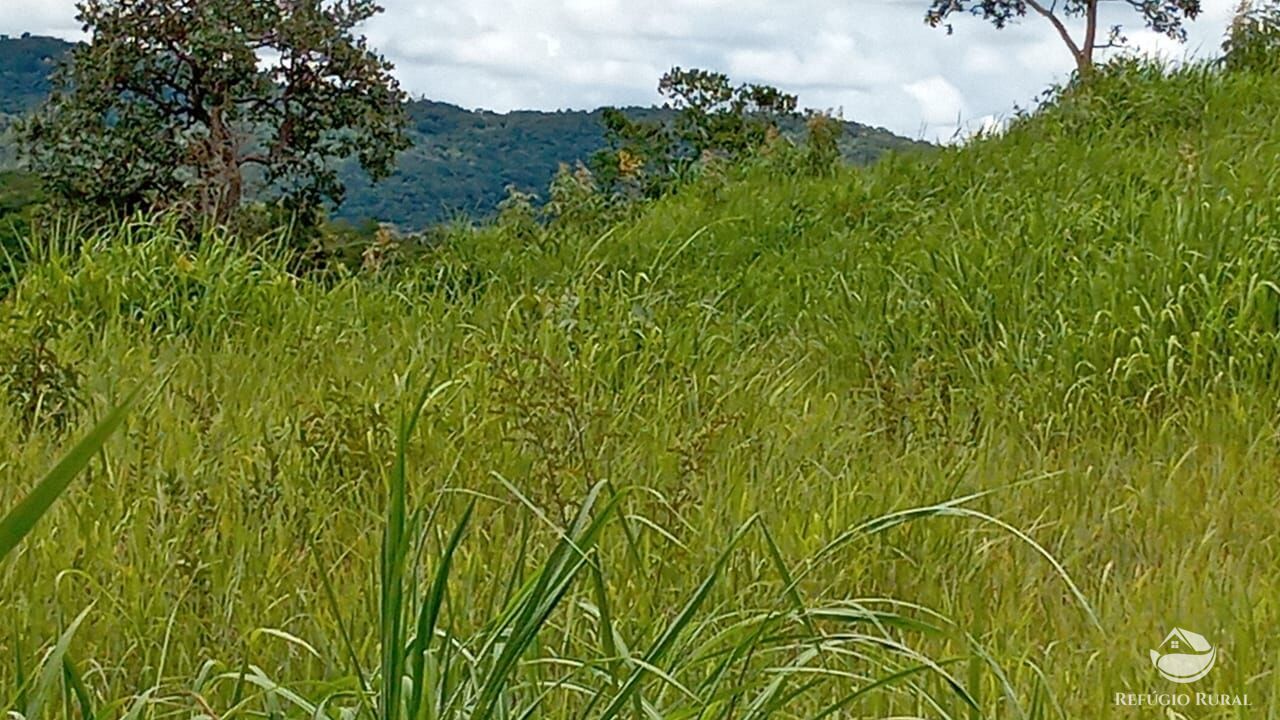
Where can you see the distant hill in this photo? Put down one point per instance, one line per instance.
(25, 66)
(461, 161)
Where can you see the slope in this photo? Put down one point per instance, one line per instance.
(1075, 325)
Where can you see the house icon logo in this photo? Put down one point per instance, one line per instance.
(1184, 656)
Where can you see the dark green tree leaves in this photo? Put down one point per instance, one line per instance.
(185, 103)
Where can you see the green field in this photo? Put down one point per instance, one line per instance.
(1074, 325)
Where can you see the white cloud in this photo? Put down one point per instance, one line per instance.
(44, 17)
(940, 101)
(876, 59)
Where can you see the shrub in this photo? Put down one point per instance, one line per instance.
(518, 214)
(41, 387)
(575, 197)
(822, 144)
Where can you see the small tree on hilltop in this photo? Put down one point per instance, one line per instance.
(1253, 40)
(1162, 16)
(714, 119)
(640, 158)
(717, 117)
(173, 101)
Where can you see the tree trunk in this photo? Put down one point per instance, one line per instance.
(1084, 60)
(1081, 52)
(1084, 64)
(222, 185)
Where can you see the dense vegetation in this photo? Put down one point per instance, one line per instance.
(461, 161)
(171, 105)
(20, 196)
(1072, 328)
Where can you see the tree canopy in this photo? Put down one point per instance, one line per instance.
(1163, 16)
(177, 101)
(713, 118)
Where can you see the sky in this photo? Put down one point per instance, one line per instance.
(874, 60)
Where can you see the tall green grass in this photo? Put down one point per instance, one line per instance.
(661, 470)
(19, 522)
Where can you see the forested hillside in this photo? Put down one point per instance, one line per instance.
(25, 66)
(461, 161)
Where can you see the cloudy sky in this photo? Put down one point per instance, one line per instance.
(874, 59)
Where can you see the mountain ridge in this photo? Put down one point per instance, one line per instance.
(461, 162)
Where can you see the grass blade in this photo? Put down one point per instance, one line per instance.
(71, 676)
(430, 613)
(673, 631)
(23, 518)
(345, 634)
(52, 668)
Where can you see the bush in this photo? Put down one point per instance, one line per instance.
(518, 215)
(575, 198)
(822, 144)
(1134, 96)
(41, 387)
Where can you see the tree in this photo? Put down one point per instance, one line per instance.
(714, 119)
(1253, 40)
(185, 101)
(714, 116)
(1162, 16)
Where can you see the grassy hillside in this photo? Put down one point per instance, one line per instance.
(1075, 326)
(461, 161)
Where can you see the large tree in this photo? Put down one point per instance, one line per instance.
(184, 101)
(1163, 16)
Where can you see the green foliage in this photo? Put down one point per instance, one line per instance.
(42, 389)
(21, 199)
(518, 215)
(822, 144)
(1253, 40)
(574, 198)
(170, 104)
(1057, 346)
(716, 117)
(18, 192)
(714, 120)
(641, 159)
(20, 520)
(462, 161)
